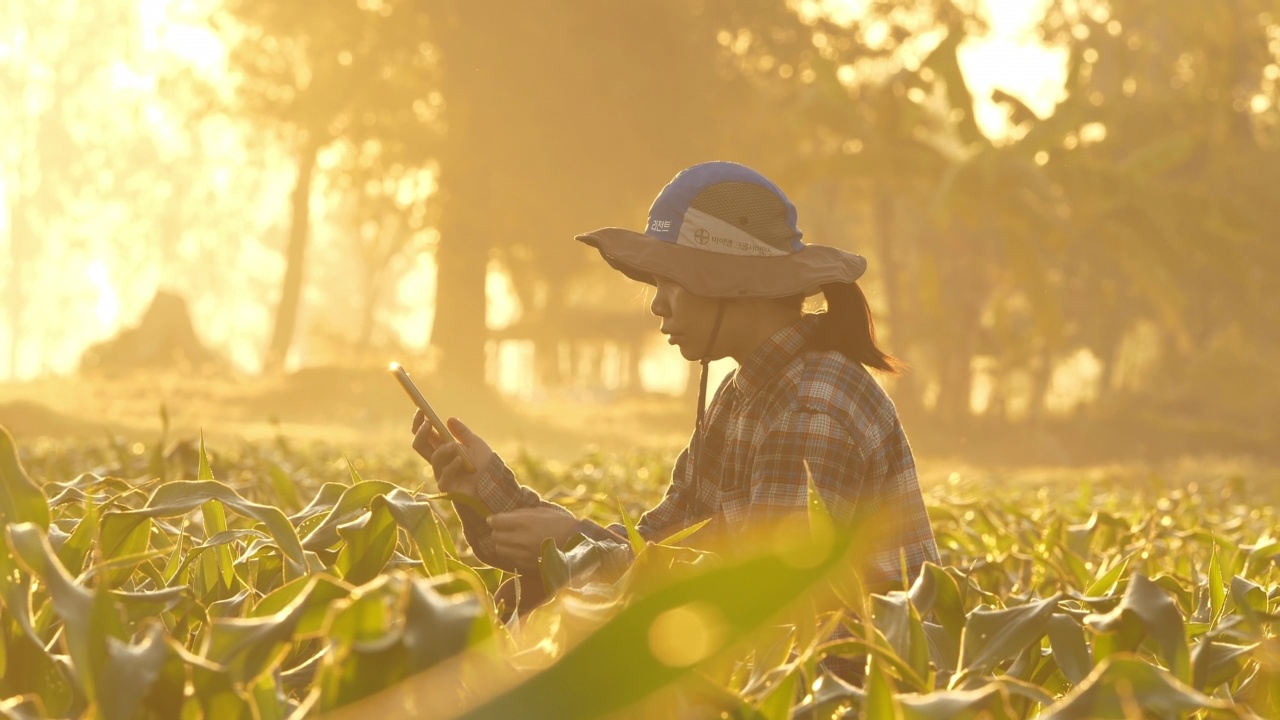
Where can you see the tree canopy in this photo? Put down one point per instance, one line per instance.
(1110, 258)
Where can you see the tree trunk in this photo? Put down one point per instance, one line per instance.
(955, 383)
(908, 392)
(17, 243)
(467, 168)
(462, 259)
(956, 341)
(1041, 377)
(295, 259)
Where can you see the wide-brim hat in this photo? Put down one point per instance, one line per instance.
(723, 230)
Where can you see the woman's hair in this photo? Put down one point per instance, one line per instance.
(847, 327)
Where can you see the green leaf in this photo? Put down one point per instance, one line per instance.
(372, 649)
(830, 695)
(73, 552)
(1249, 597)
(773, 647)
(204, 472)
(428, 533)
(317, 592)
(1107, 581)
(1217, 588)
(142, 605)
(156, 466)
(993, 636)
(880, 702)
(438, 626)
(1070, 651)
(679, 536)
(776, 704)
(822, 526)
(633, 535)
(1146, 609)
(21, 500)
(370, 541)
(855, 647)
(196, 553)
(72, 602)
(1123, 684)
(15, 592)
(286, 492)
(215, 523)
(215, 695)
(179, 498)
(90, 618)
(935, 591)
(717, 607)
(897, 618)
(129, 672)
(268, 702)
(248, 647)
(990, 702)
(354, 499)
(117, 540)
(1262, 555)
(554, 567)
(943, 650)
(1215, 663)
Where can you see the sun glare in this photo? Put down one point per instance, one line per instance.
(178, 27)
(107, 306)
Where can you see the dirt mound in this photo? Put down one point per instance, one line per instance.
(26, 419)
(165, 339)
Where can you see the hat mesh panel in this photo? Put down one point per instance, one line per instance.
(749, 207)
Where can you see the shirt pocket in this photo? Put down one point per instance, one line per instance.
(735, 506)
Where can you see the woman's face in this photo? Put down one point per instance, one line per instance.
(687, 320)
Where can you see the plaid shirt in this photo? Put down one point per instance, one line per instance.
(784, 407)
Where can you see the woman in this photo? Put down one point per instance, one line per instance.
(724, 253)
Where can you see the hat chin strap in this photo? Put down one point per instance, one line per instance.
(702, 385)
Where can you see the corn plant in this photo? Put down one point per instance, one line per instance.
(274, 581)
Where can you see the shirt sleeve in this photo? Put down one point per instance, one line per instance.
(679, 508)
(499, 491)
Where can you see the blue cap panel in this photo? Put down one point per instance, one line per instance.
(668, 210)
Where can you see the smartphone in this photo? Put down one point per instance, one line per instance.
(416, 395)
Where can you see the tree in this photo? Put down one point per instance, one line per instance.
(388, 213)
(359, 74)
(576, 126)
(71, 151)
(1180, 157)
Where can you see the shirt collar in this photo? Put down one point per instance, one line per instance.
(767, 361)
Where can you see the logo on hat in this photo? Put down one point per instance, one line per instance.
(702, 236)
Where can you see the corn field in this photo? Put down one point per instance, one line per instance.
(273, 580)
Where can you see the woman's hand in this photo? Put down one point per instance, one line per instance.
(518, 534)
(445, 457)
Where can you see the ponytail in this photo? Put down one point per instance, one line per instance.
(847, 327)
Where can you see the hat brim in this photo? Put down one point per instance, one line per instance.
(720, 275)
